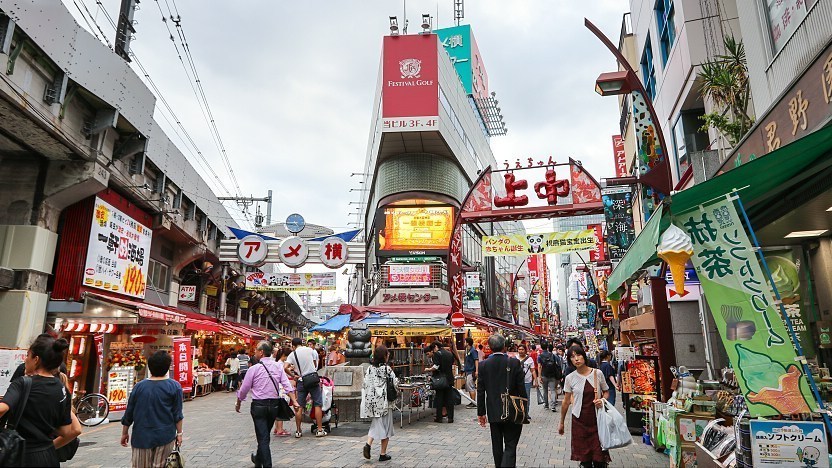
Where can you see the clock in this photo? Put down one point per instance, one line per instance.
(295, 223)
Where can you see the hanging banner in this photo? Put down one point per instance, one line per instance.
(789, 275)
(788, 443)
(740, 298)
(522, 245)
(259, 281)
(99, 350)
(618, 216)
(118, 253)
(473, 290)
(183, 368)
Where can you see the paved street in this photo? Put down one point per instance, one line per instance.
(217, 436)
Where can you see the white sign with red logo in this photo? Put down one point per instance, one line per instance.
(187, 293)
(183, 368)
(118, 253)
(408, 275)
(252, 251)
(333, 252)
(293, 251)
(410, 77)
(260, 281)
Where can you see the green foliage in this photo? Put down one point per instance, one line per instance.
(725, 83)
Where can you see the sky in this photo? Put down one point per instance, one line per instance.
(291, 86)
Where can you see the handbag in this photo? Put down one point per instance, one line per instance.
(12, 444)
(438, 381)
(309, 381)
(612, 429)
(513, 407)
(392, 392)
(175, 459)
(284, 412)
(66, 452)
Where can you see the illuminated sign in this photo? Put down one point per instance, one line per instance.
(421, 228)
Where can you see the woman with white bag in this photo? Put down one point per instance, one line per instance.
(581, 389)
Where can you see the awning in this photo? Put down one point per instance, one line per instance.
(146, 311)
(200, 322)
(478, 321)
(334, 324)
(242, 331)
(641, 254)
(99, 308)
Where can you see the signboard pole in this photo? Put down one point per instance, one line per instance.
(800, 357)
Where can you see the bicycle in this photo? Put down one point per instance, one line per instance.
(92, 409)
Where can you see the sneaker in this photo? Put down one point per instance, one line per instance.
(367, 451)
(298, 434)
(320, 433)
(384, 457)
(545, 406)
(471, 406)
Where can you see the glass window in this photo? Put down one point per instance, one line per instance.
(666, 27)
(157, 275)
(648, 71)
(784, 16)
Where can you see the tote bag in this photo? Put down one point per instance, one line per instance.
(612, 429)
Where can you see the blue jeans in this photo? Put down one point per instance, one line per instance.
(611, 398)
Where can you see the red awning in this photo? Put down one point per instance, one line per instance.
(143, 310)
(240, 330)
(200, 322)
(478, 320)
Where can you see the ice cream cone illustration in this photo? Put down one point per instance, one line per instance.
(614, 303)
(676, 248)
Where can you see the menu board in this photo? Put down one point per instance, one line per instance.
(120, 381)
(10, 359)
(118, 253)
(788, 443)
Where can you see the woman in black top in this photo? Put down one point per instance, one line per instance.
(46, 422)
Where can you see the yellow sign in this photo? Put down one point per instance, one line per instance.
(531, 244)
(420, 228)
(410, 331)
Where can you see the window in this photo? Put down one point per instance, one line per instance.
(688, 137)
(648, 72)
(157, 275)
(666, 28)
(784, 16)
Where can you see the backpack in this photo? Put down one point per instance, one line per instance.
(12, 444)
(549, 366)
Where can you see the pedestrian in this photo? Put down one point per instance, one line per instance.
(321, 357)
(154, 409)
(46, 413)
(470, 370)
(569, 367)
(500, 374)
(244, 362)
(305, 362)
(232, 369)
(280, 360)
(443, 363)
(529, 371)
(262, 381)
(334, 357)
(584, 389)
(609, 375)
(375, 404)
(551, 372)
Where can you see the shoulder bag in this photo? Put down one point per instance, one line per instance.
(392, 392)
(175, 459)
(438, 380)
(282, 410)
(309, 381)
(12, 444)
(514, 407)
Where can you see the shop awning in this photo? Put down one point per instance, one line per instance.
(334, 324)
(200, 322)
(641, 254)
(242, 331)
(99, 308)
(478, 321)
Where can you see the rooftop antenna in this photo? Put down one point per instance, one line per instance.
(459, 11)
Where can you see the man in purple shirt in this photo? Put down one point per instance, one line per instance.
(262, 381)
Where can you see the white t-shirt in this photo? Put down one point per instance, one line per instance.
(574, 383)
(528, 364)
(308, 360)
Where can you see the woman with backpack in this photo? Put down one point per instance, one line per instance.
(39, 407)
(551, 372)
(376, 401)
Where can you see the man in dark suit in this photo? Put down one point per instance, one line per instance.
(443, 362)
(490, 385)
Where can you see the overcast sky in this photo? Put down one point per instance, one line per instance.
(291, 85)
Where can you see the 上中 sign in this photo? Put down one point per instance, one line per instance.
(187, 293)
(788, 443)
(293, 251)
(740, 298)
(333, 252)
(183, 368)
(408, 275)
(259, 281)
(252, 250)
(547, 243)
(118, 253)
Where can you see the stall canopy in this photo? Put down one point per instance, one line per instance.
(334, 324)
(100, 308)
(200, 322)
(244, 332)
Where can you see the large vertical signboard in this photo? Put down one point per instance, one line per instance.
(410, 89)
(118, 253)
(462, 49)
(620, 156)
(183, 370)
(618, 216)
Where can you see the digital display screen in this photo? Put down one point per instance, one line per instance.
(415, 228)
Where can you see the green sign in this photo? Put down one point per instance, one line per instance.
(754, 335)
(419, 259)
(789, 275)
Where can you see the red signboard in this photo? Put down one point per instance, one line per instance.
(410, 89)
(620, 156)
(598, 253)
(183, 369)
(99, 349)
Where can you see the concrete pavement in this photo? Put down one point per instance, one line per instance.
(217, 436)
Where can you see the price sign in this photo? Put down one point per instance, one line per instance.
(252, 251)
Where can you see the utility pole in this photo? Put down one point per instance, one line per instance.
(245, 202)
(125, 29)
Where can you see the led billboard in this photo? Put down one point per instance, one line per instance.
(421, 229)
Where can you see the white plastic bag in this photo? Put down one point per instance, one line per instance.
(612, 429)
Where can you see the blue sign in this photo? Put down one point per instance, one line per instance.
(690, 276)
(457, 43)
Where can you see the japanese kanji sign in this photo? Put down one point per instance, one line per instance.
(408, 275)
(293, 251)
(789, 274)
(741, 300)
(333, 252)
(183, 367)
(788, 443)
(260, 281)
(252, 250)
(530, 244)
(618, 215)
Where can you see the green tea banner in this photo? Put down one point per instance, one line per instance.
(790, 276)
(754, 335)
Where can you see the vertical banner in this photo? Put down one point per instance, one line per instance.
(740, 298)
(410, 83)
(618, 216)
(99, 349)
(183, 371)
(620, 156)
(473, 290)
(598, 254)
(790, 277)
